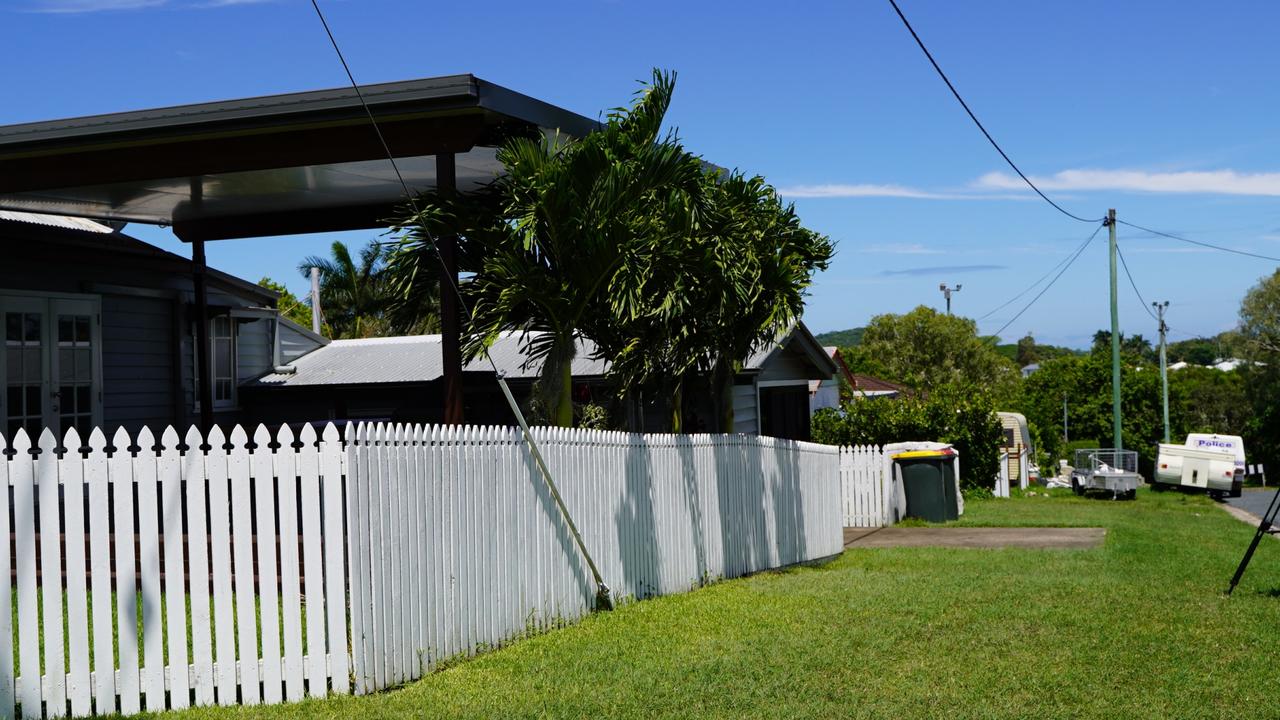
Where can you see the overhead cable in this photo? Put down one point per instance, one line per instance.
(1079, 251)
(1201, 243)
(603, 599)
(1134, 285)
(1035, 284)
(978, 122)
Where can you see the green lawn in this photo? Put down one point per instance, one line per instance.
(1138, 628)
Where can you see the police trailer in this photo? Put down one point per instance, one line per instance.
(1213, 463)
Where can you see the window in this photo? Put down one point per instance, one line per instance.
(222, 360)
(222, 348)
(24, 364)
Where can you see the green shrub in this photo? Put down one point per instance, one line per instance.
(962, 415)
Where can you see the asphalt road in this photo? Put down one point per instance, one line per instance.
(1254, 500)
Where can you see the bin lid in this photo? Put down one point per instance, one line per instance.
(943, 453)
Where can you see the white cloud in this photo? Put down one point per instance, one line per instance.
(1216, 182)
(900, 249)
(87, 6)
(872, 190)
(850, 191)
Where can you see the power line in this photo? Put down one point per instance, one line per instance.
(1070, 261)
(1199, 242)
(602, 590)
(1035, 284)
(978, 122)
(1134, 285)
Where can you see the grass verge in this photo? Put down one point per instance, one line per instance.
(1137, 628)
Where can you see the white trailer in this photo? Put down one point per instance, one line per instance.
(1107, 470)
(1200, 466)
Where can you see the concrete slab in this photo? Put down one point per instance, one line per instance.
(1037, 537)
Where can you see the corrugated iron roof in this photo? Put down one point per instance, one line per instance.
(57, 221)
(416, 358)
(411, 359)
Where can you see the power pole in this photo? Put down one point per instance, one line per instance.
(946, 292)
(1117, 441)
(1066, 437)
(1164, 367)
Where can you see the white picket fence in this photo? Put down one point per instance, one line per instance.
(236, 570)
(456, 543)
(183, 546)
(868, 491)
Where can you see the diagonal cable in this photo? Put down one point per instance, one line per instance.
(1035, 284)
(1070, 261)
(603, 598)
(1134, 285)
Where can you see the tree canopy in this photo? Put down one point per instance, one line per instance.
(626, 238)
(925, 349)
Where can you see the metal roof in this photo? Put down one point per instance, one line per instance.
(411, 359)
(416, 359)
(55, 221)
(280, 164)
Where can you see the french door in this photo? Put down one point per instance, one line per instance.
(51, 364)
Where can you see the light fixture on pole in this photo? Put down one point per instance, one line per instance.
(946, 292)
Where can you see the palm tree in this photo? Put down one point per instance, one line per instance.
(736, 283)
(353, 293)
(570, 220)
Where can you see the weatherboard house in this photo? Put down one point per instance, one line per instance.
(101, 331)
(104, 330)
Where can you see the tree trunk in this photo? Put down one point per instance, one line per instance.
(677, 407)
(564, 403)
(722, 392)
(557, 382)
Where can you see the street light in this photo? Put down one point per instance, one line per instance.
(946, 292)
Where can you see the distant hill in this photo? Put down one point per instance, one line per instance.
(841, 338)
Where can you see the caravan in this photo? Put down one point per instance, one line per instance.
(1213, 463)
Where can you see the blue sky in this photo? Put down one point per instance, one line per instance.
(1165, 111)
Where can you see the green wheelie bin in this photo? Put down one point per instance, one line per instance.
(929, 483)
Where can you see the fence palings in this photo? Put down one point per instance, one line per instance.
(220, 570)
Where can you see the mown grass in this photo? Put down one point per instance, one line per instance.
(1137, 628)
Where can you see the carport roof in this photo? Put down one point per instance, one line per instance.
(279, 164)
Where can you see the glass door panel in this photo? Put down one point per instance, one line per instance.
(74, 397)
(25, 361)
(50, 365)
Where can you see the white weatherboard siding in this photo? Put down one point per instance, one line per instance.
(745, 411)
(455, 545)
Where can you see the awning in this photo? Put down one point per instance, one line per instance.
(280, 164)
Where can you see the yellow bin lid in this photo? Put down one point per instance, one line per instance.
(923, 454)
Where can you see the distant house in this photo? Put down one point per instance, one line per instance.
(830, 392)
(99, 330)
(866, 386)
(399, 379)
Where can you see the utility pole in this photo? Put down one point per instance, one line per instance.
(1164, 366)
(946, 292)
(1066, 437)
(1117, 441)
(316, 317)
